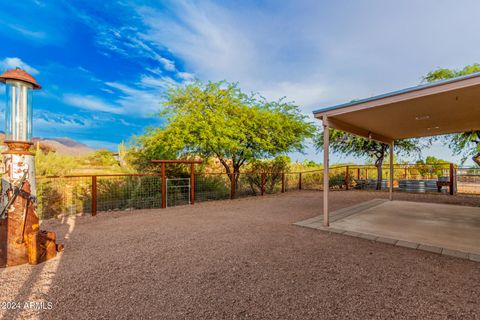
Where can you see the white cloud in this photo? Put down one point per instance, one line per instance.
(91, 103)
(339, 51)
(138, 99)
(186, 76)
(44, 119)
(124, 40)
(28, 33)
(13, 62)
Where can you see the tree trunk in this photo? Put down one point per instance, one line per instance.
(476, 158)
(379, 175)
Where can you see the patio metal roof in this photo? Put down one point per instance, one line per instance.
(442, 107)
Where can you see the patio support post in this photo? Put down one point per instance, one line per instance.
(326, 142)
(391, 171)
(452, 179)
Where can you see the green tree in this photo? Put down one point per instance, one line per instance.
(351, 145)
(217, 119)
(432, 165)
(102, 157)
(467, 143)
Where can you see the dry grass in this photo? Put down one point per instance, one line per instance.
(240, 259)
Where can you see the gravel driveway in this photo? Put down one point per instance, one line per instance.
(236, 260)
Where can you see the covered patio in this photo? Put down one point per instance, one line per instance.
(443, 107)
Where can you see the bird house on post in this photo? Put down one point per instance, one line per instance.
(21, 241)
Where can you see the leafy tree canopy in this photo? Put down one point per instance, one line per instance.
(466, 144)
(217, 119)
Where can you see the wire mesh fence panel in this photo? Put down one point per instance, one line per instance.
(248, 184)
(212, 187)
(59, 196)
(468, 180)
(128, 192)
(312, 180)
(178, 191)
(272, 183)
(291, 181)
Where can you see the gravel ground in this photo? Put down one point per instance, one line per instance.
(240, 259)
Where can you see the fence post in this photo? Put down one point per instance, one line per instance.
(192, 184)
(263, 183)
(452, 178)
(232, 186)
(283, 182)
(300, 181)
(164, 187)
(366, 174)
(406, 173)
(346, 177)
(94, 195)
(358, 173)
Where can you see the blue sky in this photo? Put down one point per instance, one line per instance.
(103, 65)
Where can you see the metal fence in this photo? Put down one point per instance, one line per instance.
(90, 194)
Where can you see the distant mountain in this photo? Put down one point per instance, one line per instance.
(65, 146)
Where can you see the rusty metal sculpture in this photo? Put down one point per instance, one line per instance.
(21, 241)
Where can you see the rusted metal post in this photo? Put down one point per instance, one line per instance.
(263, 184)
(300, 181)
(283, 182)
(452, 178)
(347, 169)
(164, 187)
(232, 186)
(326, 179)
(358, 173)
(94, 195)
(192, 183)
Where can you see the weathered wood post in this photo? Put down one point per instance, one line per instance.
(300, 181)
(263, 183)
(283, 182)
(347, 169)
(192, 183)
(164, 187)
(94, 195)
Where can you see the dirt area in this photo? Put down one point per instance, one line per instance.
(240, 259)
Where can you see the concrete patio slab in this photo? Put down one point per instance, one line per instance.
(450, 230)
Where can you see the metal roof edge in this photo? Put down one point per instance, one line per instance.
(398, 92)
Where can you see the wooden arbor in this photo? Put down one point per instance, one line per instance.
(192, 164)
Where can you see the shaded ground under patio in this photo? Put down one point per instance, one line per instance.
(441, 228)
(240, 259)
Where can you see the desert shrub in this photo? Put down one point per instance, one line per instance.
(212, 187)
(271, 170)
